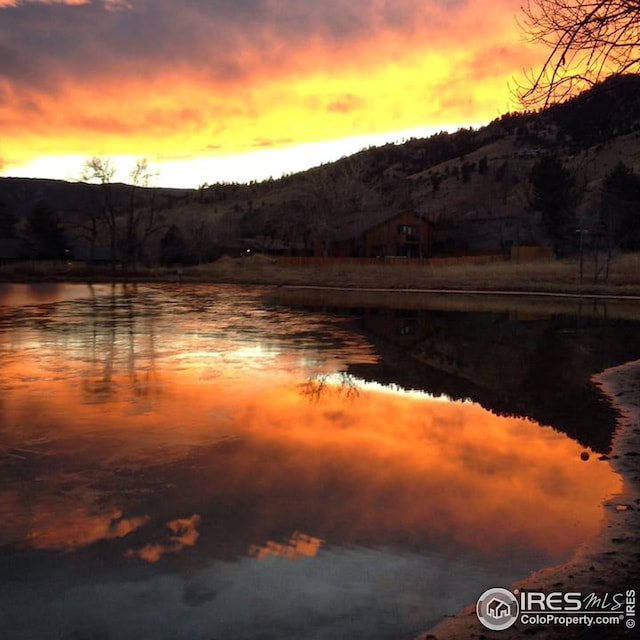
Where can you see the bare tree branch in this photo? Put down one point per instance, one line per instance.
(103, 170)
(143, 220)
(588, 41)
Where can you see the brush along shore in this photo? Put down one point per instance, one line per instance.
(543, 276)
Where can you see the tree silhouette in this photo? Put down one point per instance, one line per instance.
(102, 170)
(143, 218)
(588, 40)
(44, 237)
(436, 180)
(553, 196)
(173, 248)
(621, 207)
(199, 235)
(467, 170)
(335, 195)
(8, 221)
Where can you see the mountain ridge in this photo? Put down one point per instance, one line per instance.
(450, 178)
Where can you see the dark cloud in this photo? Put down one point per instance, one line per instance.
(44, 44)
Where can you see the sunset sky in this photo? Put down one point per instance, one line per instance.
(213, 90)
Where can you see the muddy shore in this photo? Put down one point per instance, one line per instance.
(610, 562)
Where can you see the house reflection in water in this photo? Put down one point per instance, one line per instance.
(400, 327)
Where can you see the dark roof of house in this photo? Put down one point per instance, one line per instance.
(356, 224)
(417, 216)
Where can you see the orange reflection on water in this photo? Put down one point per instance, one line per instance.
(185, 534)
(56, 527)
(433, 469)
(349, 466)
(300, 544)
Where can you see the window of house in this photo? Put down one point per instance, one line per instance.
(407, 328)
(408, 229)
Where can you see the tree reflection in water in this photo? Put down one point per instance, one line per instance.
(341, 383)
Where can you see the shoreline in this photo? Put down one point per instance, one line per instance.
(610, 562)
(545, 278)
(578, 293)
(581, 292)
(531, 303)
(469, 292)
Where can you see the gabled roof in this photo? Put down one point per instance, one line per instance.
(357, 224)
(417, 216)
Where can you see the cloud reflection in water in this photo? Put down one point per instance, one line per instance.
(184, 434)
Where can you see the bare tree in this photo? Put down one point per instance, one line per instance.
(588, 40)
(143, 219)
(336, 195)
(129, 228)
(102, 170)
(199, 234)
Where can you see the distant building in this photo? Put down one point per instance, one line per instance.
(405, 234)
(401, 327)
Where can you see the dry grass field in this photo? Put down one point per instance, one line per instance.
(548, 276)
(544, 276)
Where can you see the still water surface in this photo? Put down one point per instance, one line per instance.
(193, 462)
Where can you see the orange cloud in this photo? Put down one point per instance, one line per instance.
(16, 3)
(81, 78)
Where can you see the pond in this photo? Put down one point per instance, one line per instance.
(208, 462)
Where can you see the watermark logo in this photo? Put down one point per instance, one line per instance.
(497, 609)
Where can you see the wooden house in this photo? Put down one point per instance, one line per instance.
(401, 327)
(406, 234)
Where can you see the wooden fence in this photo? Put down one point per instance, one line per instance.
(529, 254)
(394, 261)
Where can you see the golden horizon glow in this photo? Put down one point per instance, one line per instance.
(272, 89)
